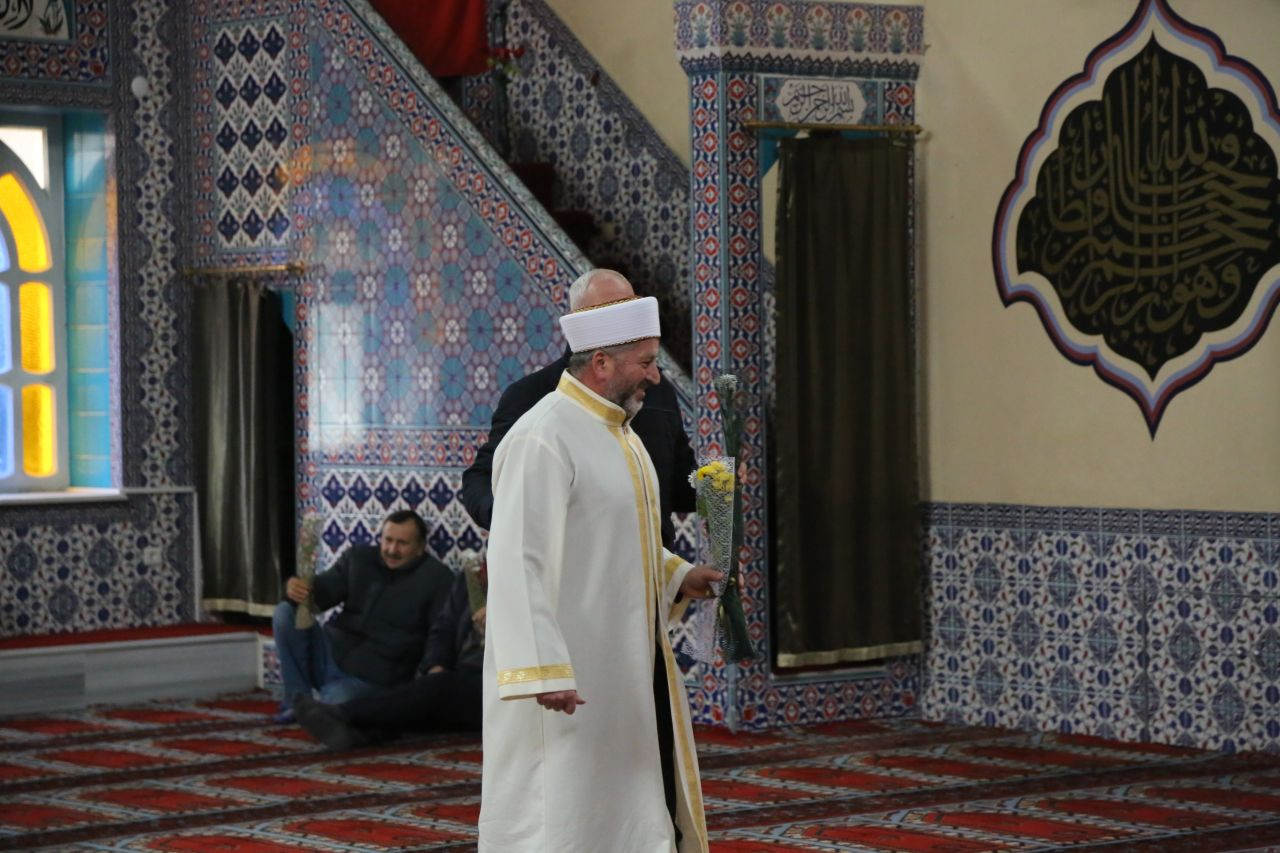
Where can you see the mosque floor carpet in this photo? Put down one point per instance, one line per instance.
(218, 776)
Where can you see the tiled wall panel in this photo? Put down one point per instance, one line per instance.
(129, 563)
(727, 49)
(251, 105)
(83, 57)
(430, 294)
(97, 567)
(1133, 624)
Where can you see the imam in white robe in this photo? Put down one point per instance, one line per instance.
(580, 594)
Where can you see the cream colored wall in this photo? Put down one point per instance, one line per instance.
(634, 41)
(1007, 418)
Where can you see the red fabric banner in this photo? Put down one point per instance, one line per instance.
(448, 36)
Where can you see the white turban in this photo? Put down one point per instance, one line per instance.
(611, 324)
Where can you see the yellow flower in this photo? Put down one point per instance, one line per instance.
(719, 477)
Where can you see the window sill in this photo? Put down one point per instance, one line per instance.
(65, 496)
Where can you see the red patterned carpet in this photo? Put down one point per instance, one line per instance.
(217, 776)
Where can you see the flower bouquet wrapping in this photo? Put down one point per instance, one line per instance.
(714, 483)
(476, 593)
(308, 551)
(720, 507)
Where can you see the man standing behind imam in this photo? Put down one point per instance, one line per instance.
(580, 595)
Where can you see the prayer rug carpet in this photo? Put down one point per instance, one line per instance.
(218, 776)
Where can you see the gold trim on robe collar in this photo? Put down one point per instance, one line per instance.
(610, 413)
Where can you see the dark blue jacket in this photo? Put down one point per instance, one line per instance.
(381, 633)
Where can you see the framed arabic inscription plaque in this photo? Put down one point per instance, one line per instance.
(1144, 219)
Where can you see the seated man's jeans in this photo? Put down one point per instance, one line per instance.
(307, 666)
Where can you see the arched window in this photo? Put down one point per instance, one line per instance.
(33, 359)
(59, 408)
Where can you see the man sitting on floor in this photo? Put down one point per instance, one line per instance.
(445, 697)
(389, 594)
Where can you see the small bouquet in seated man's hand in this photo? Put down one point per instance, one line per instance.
(476, 592)
(720, 507)
(308, 551)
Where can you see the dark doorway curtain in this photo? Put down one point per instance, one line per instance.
(847, 562)
(242, 365)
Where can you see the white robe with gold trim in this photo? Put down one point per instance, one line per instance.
(579, 585)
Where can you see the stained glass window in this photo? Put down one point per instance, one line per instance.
(33, 372)
(7, 446)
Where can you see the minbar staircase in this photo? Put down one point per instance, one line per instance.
(579, 225)
(540, 178)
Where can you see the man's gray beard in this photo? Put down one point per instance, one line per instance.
(632, 406)
(629, 403)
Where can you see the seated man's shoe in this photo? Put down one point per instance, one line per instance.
(284, 715)
(326, 724)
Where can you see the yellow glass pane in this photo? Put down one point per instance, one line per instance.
(35, 326)
(24, 220)
(38, 450)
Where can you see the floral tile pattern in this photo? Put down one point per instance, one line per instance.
(127, 564)
(84, 59)
(1047, 618)
(249, 72)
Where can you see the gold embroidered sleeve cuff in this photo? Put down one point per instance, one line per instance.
(673, 564)
(529, 681)
(674, 570)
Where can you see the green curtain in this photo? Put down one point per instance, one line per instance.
(847, 571)
(242, 369)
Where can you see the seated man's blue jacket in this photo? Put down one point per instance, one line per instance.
(381, 633)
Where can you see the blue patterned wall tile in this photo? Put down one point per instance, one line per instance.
(350, 507)
(934, 516)
(1229, 566)
(1204, 524)
(969, 516)
(1079, 519)
(1153, 635)
(1124, 521)
(1162, 523)
(97, 567)
(1004, 517)
(84, 59)
(130, 564)
(1253, 525)
(1106, 714)
(248, 68)
(1043, 518)
(760, 33)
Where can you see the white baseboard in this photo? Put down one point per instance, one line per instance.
(71, 677)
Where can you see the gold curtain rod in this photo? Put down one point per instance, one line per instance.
(873, 128)
(291, 268)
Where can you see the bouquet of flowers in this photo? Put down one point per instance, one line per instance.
(714, 484)
(308, 549)
(720, 506)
